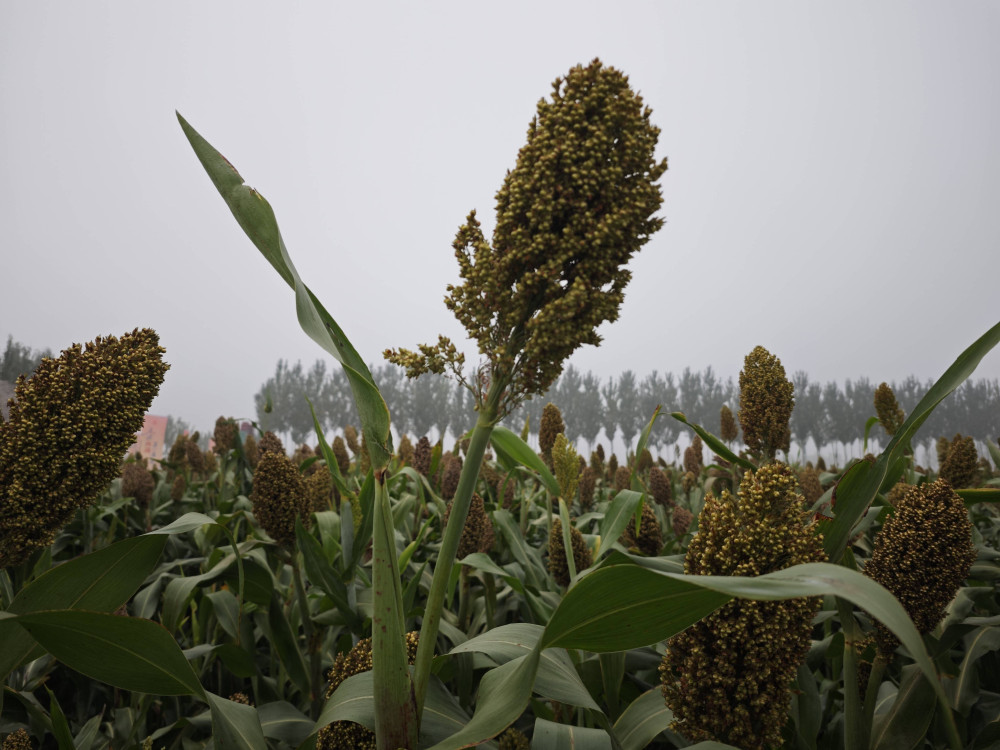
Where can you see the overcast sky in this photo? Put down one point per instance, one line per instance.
(833, 191)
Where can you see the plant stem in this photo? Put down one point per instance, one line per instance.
(315, 667)
(449, 543)
(856, 732)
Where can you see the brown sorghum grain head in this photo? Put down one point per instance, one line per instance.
(728, 677)
(339, 449)
(612, 467)
(551, 425)
(251, 451)
(961, 463)
(271, 443)
(766, 401)
(279, 497)
(178, 488)
(351, 438)
(812, 490)
(319, 488)
(942, 445)
(225, 435)
(302, 454)
(650, 539)
(644, 462)
(68, 428)
(422, 456)
(451, 472)
(582, 556)
(588, 484)
(17, 740)
(477, 535)
(922, 555)
(137, 482)
(405, 451)
(727, 424)
(890, 414)
(622, 478)
(680, 520)
(659, 487)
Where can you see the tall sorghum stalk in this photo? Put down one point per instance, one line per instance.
(575, 208)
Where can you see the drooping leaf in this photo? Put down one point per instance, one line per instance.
(552, 736)
(101, 581)
(904, 725)
(616, 518)
(720, 448)
(511, 445)
(256, 217)
(281, 720)
(125, 652)
(286, 644)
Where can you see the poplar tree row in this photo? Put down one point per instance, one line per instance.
(594, 409)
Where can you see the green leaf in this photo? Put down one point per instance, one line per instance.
(511, 445)
(714, 443)
(641, 446)
(125, 652)
(322, 574)
(237, 660)
(604, 613)
(60, 727)
(101, 581)
(287, 645)
(235, 725)
(904, 725)
(503, 695)
(281, 720)
(872, 421)
(616, 518)
(187, 522)
(256, 217)
(645, 718)
(859, 485)
(331, 461)
(979, 495)
(552, 736)
(964, 689)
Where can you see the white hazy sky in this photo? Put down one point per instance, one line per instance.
(832, 193)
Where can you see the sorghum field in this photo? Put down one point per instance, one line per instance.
(356, 593)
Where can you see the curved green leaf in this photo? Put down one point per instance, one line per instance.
(126, 652)
(720, 448)
(235, 726)
(101, 581)
(641, 446)
(616, 518)
(281, 720)
(286, 644)
(506, 442)
(904, 725)
(256, 217)
(859, 485)
(552, 736)
(645, 718)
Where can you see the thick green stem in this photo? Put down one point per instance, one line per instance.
(395, 718)
(856, 732)
(449, 544)
(315, 666)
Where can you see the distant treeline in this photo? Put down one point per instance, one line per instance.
(18, 359)
(825, 412)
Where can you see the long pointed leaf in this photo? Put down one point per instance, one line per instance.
(234, 725)
(520, 452)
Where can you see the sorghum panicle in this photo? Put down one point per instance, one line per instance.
(550, 425)
(68, 428)
(766, 401)
(224, 435)
(582, 556)
(890, 414)
(961, 463)
(422, 456)
(137, 482)
(477, 535)
(727, 424)
(727, 678)
(279, 497)
(650, 539)
(566, 465)
(922, 555)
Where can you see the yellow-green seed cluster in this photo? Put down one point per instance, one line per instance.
(68, 428)
(922, 554)
(575, 208)
(727, 678)
(513, 739)
(279, 496)
(961, 462)
(346, 735)
(17, 740)
(766, 401)
(566, 465)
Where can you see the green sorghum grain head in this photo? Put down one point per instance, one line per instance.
(422, 456)
(588, 484)
(550, 425)
(727, 424)
(961, 463)
(224, 435)
(650, 539)
(766, 401)
(68, 428)
(279, 497)
(346, 735)
(728, 677)
(271, 443)
(405, 451)
(582, 556)
(137, 482)
(922, 555)
(477, 535)
(571, 213)
(339, 449)
(512, 739)
(890, 414)
(566, 465)
(659, 487)
(319, 488)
